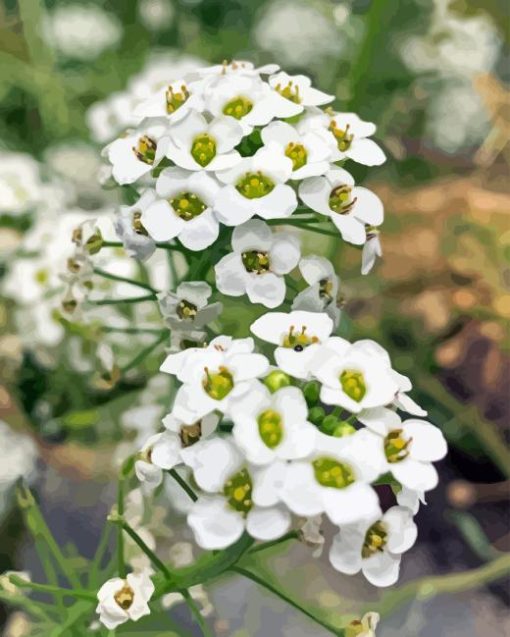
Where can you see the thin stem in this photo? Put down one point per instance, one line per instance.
(101, 550)
(145, 352)
(161, 245)
(121, 565)
(148, 551)
(54, 590)
(265, 584)
(183, 484)
(289, 221)
(123, 279)
(130, 330)
(291, 535)
(196, 613)
(134, 299)
(30, 606)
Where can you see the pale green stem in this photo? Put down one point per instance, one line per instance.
(131, 300)
(196, 613)
(53, 590)
(183, 484)
(123, 279)
(145, 352)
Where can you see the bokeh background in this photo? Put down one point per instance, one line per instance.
(433, 75)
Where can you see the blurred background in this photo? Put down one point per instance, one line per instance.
(433, 74)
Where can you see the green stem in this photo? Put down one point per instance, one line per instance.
(121, 565)
(196, 613)
(145, 352)
(130, 330)
(99, 555)
(265, 584)
(35, 608)
(148, 551)
(297, 223)
(134, 299)
(54, 590)
(291, 535)
(123, 279)
(183, 484)
(162, 245)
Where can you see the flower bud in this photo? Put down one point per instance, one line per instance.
(316, 415)
(277, 379)
(311, 390)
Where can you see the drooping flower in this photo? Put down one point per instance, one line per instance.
(256, 186)
(187, 309)
(184, 208)
(298, 336)
(270, 426)
(375, 546)
(258, 263)
(121, 600)
(409, 447)
(322, 293)
(349, 207)
(371, 250)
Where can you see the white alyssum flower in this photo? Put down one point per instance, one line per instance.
(184, 208)
(364, 627)
(197, 144)
(308, 152)
(213, 375)
(299, 90)
(236, 68)
(409, 447)
(136, 153)
(156, 15)
(257, 264)
(230, 505)
(272, 426)
(322, 293)
(129, 227)
(160, 452)
(298, 336)
(335, 479)
(121, 600)
(172, 101)
(371, 250)
(355, 376)
(375, 546)
(187, 309)
(350, 207)
(256, 186)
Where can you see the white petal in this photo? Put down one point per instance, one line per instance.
(232, 208)
(268, 523)
(351, 229)
(428, 443)
(213, 461)
(351, 504)
(298, 364)
(366, 152)
(382, 569)
(268, 482)
(402, 531)
(368, 206)
(214, 524)
(280, 202)
(231, 276)
(161, 221)
(314, 192)
(166, 452)
(252, 235)
(284, 254)
(345, 552)
(380, 420)
(418, 476)
(201, 232)
(267, 289)
(301, 492)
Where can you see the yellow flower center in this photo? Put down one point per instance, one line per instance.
(218, 384)
(396, 446)
(326, 290)
(331, 473)
(187, 205)
(256, 261)
(137, 224)
(340, 199)
(237, 490)
(342, 137)
(203, 149)
(270, 428)
(375, 540)
(254, 185)
(125, 596)
(186, 310)
(353, 384)
(190, 434)
(290, 91)
(175, 99)
(145, 150)
(298, 340)
(238, 107)
(297, 153)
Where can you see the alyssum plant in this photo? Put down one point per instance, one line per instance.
(271, 432)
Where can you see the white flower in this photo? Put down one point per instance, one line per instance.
(237, 67)
(322, 293)
(187, 309)
(213, 375)
(335, 479)
(258, 263)
(308, 152)
(137, 153)
(299, 90)
(310, 532)
(171, 101)
(184, 209)
(298, 336)
(371, 250)
(129, 227)
(411, 499)
(21, 189)
(364, 627)
(81, 32)
(409, 448)
(347, 135)
(156, 15)
(256, 186)
(123, 599)
(350, 207)
(355, 377)
(196, 144)
(270, 426)
(375, 547)
(219, 518)
(246, 99)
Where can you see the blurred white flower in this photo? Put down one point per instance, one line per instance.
(81, 32)
(156, 15)
(19, 458)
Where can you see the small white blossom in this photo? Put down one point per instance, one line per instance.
(258, 263)
(299, 90)
(364, 627)
(322, 293)
(350, 207)
(187, 309)
(375, 546)
(172, 101)
(298, 336)
(121, 600)
(371, 250)
(129, 227)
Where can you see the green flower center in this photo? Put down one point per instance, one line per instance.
(125, 596)
(396, 446)
(187, 205)
(375, 540)
(175, 99)
(298, 340)
(145, 150)
(270, 428)
(190, 434)
(203, 149)
(290, 91)
(42, 276)
(331, 473)
(256, 261)
(238, 107)
(342, 137)
(137, 224)
(254, 185)
(340, 199)
(186, 310)
(353, 384)
(277, 379)
(218, 384)
(237, 490)
(297, 153)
